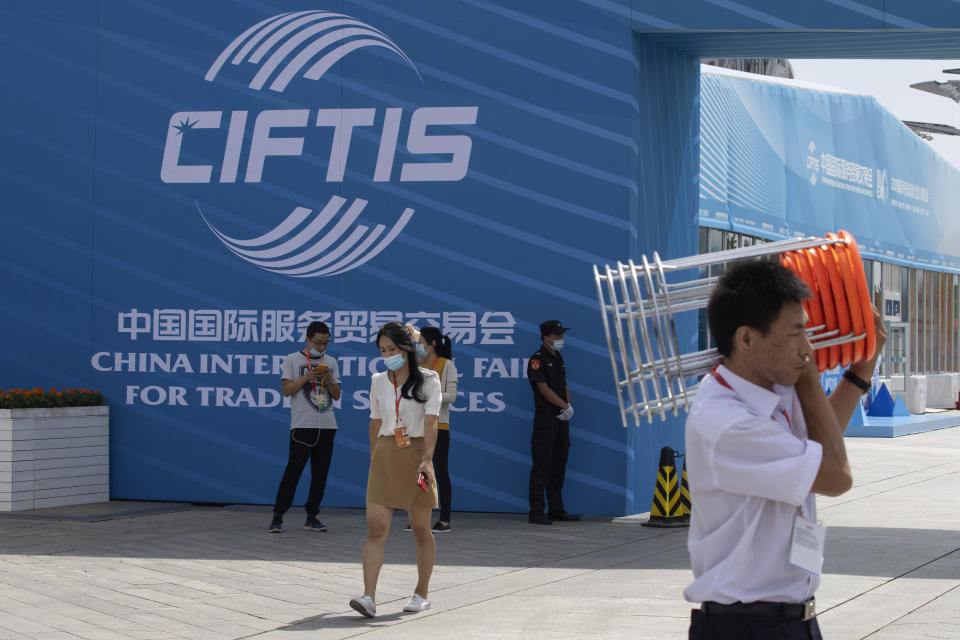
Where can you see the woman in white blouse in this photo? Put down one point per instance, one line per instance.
(404, 405)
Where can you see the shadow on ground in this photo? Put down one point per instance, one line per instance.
(183, 531)
(344, 621)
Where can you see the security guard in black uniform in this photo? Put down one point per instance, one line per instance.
(550, 442)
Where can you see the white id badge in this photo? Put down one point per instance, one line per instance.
(806, 547)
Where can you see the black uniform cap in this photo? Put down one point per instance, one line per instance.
(552, 326)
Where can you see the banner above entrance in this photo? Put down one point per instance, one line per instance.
(781, 159)
(903, 29)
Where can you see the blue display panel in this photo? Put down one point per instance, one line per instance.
(843, 162)
(190, 184)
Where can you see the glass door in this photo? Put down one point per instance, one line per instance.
(896, 352)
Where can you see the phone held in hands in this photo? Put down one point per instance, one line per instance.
(422, 481)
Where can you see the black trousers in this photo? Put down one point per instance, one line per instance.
(441, 454)
(317, 446)
(734, 627)
(549, 446)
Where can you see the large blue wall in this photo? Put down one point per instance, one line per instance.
(117, 178)
(47, 127)
(667, 129)
(554, 136)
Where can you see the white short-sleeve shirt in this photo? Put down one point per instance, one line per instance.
(749, 469)
(383, 403)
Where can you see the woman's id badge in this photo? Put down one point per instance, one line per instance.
(402, 438)
(806, 547)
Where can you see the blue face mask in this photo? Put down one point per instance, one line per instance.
(421, 351)
(395, 361)
(315, 353)
(558, 344)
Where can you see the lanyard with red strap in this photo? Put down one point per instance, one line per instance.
(720, 379)
(399, 431)
(306, 352)
(396, 395)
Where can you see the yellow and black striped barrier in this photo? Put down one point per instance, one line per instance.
(684, 493)
(667, 508)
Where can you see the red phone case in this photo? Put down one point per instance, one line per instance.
(422, 481)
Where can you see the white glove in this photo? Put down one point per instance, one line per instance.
(566, 414)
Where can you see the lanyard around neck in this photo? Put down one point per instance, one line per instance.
(726, 384)
(396, 395)
(306, 352)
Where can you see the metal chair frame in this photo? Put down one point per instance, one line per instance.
(652, 375)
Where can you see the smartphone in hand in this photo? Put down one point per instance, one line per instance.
(422, 481)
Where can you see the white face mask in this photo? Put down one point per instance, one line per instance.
(395, 361)
(558, 344)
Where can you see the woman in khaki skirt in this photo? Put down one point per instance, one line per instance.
(404, 405)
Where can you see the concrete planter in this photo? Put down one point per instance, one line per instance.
(917, 394)
(54, 457)
(943, 390)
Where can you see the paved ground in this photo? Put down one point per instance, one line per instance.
(156, 571)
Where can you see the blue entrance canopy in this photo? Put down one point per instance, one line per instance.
(781, 158)
(798, 29)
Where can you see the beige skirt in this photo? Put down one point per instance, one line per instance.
(392, 481)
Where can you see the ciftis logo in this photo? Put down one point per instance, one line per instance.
(299, 174)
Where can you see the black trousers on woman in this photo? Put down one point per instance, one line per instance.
(441, 454)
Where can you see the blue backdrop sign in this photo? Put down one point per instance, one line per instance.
(188, 185)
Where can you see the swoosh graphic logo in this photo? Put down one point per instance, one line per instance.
(308, 244)
(327, 242)
(319, 38)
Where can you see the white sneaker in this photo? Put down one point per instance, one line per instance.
(416, 604)
(364, 605)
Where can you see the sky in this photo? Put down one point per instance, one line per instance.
(889, 82)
